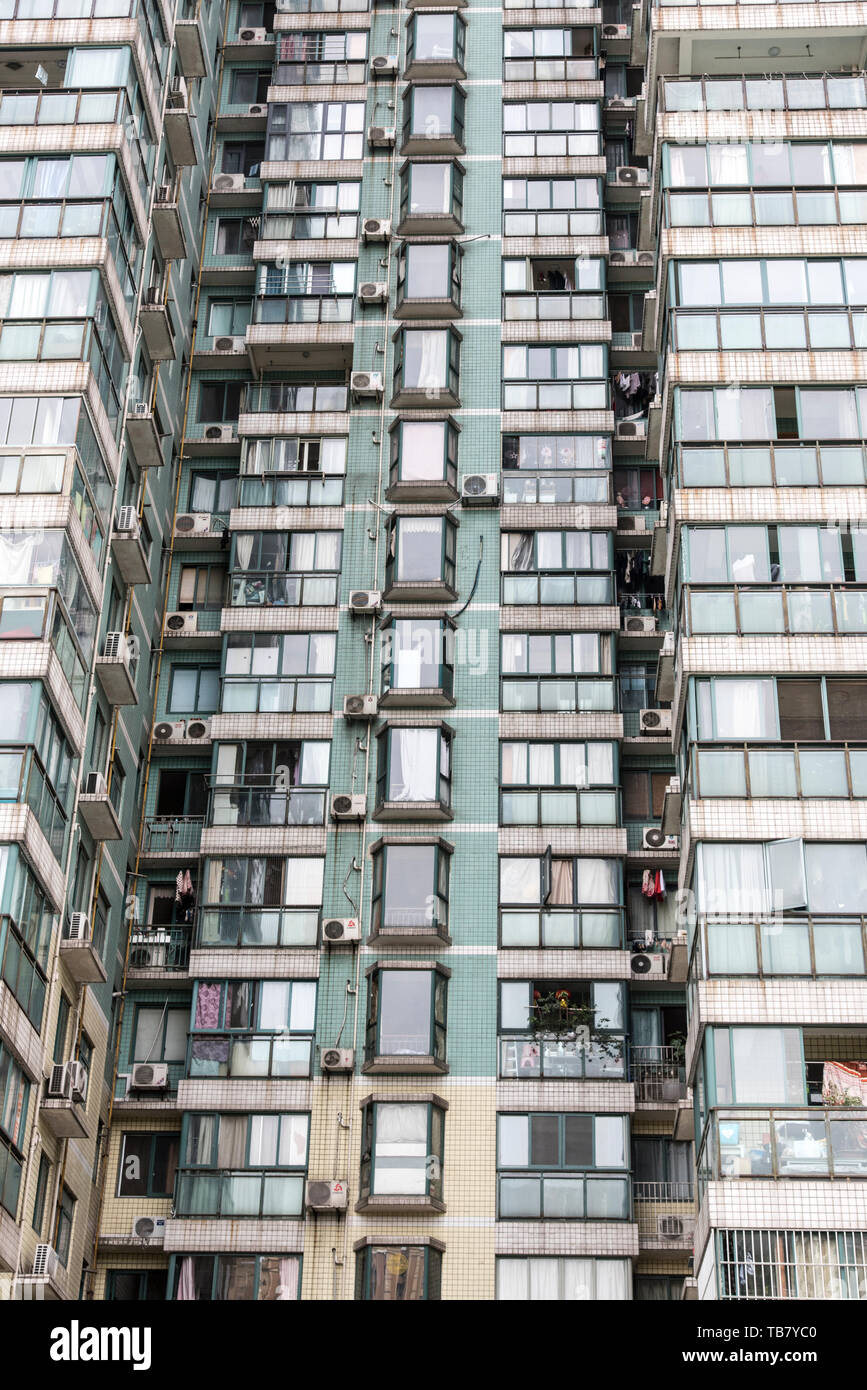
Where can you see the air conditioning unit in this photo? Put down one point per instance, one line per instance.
(198, 729)
(642, 963)
(177, 96)
(615, 103)
(360, 706)
(639, 626)
(380, 136)
(675, 1227)
(149, 954)
(127, 521)
(45, 1262)
(366, 384)
(631, 429)
(253, 36)
(326, 1196)
(193, 524)
(79, 927)
(626, 173)
(365, 601)
(68, 1081)
(341, 931)
(140, 410)
(115, 647)
(615, 31)
(645, 258)
(164, 194)
(376, 229)
(148, 1076)
(346, 807)
(229, 345)
(149, 1228)
(94, 785)
(654, 721)
(257, 109)
(384, 66)
(654, 838)
(170, 731)
(220, 434)
(638, 340)
(181, 624)
(373, 292)
(480, 489)
(337, 1059)
(229, 183)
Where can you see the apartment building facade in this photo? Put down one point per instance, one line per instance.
(434, 856)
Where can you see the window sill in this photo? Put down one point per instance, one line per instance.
(430, 224)
(410, 936)
(396, 1066)
(399, 1205)
(417, 398)
(412, 810)
(417, 697)
(421, 490)
(447, 68)
(428, 309)
(420, 591)
(447, 143)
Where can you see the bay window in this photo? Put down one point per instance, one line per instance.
(553, 1167)
(395, 1273)
(243, 1165)
(429, 280)
(421, 557)
(558, 1280)
(402, 1152)
(406, 1018)
(435, 45)
(253, 1028)
(560, 902)
(410, 888)
(418, 656)
(433, 120)
(259, 901)
(424, 455)
(232, 1278)
(431, 197)
(414, 771)
(426, 368)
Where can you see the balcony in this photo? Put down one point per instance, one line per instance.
(533, 1057)
(265, 589)
(553, 308)
(785, 1143)
(246, 804)
(61, 1109)
(156, 326)
(563, 1196)
(783, 609)
(167, 224)
(157, 953)
(236, 1195)
(128, 549)
(665, 1213)
(302, 332)
(96, 810)
(562, 928)
(291, 398)
(189, 40)
(178, 126)
(659, 1077)
(788, 946)
(171, 836)
(116, 670)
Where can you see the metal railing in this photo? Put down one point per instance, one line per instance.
(658, 1073)
(267, 589)
(157, 947)
(257, 926)
(660, 1208)
(283, 309)
(287, 398)
(165, 834)
(245, 803)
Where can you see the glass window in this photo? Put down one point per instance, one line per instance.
(398, 1273)
(147, 1165)
(402, 1150)
(406, 1014)
(160, 1034)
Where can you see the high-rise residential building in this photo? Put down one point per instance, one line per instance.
(433, 626)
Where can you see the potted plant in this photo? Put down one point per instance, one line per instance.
(555, 1014)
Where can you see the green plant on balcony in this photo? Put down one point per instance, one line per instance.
(837, 1095)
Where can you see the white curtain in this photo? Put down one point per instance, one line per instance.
(288, 1286)
(544, 1280)
(519, 880)
(600, 764)
(573, 764)
(186, 1282)
(432, 367)
(328, 550)
(413, 765)
(303, 882)
(322, 646)
(745, 709)
(597, 881)
(17, 555)
(513, 1281)
(401, 1145)
(731, 879)
(728, 164)
(243, 550)
(231, 1142)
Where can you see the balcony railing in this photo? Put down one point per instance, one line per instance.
(782, 771)
(559, 806)
(155, 947)
(265, 589)
(257, 926)
(744, 330)
(310, 74)
(557, 587)
(781, 208)
(528, 1057)
(770, 465)
(288, 398)
(550, 70)
(245, 804)
(167, 834)
(563, 928)
(780, 93)
(249, 1055)
(780, 608)
(262, 696)
(584, 222)
(658, 1073)
(550, 307)
(238, 1194)
(555, 395)
(660, 1208)
(786, 1143)
(812, 947)
(304, 309)
(292, 490)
